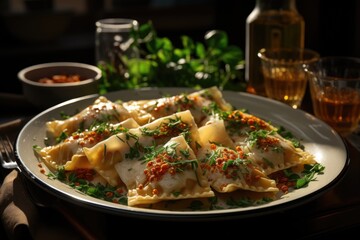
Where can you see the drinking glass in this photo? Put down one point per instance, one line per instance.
(285, 79)
(335, 92)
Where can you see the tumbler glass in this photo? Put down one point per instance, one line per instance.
(285, 79)
(335, 92)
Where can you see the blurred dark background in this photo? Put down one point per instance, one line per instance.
(38, 31)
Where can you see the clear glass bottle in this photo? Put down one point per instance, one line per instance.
(271, 24)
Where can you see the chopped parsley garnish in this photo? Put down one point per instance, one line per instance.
(62, 137)
(80, 180)
(289, 136)
(246, 202)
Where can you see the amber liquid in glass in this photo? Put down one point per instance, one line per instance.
(341, 110)
(286, 85)
(270, 29)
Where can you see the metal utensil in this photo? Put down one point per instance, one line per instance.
(7, 157)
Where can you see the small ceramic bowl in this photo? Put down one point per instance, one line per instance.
(44, 94)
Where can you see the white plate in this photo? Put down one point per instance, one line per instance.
(317, 137)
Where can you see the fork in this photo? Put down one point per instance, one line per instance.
(41, 199)
(7, 156)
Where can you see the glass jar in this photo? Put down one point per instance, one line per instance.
(113, 42)
(271, 24)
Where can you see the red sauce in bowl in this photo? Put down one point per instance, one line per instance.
(60, 79)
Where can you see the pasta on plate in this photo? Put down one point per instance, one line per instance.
(186, 148)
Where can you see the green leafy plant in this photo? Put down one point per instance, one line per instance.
(160, 64)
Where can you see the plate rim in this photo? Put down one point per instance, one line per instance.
(174, 215)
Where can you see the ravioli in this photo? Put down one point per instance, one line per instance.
(105, 154)
(215, 132)
(149, 110)
(229, 170)
(69, 152)
(165, 172)
(239, 124)
(262, 143)
(101, 111)
(272, 152)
